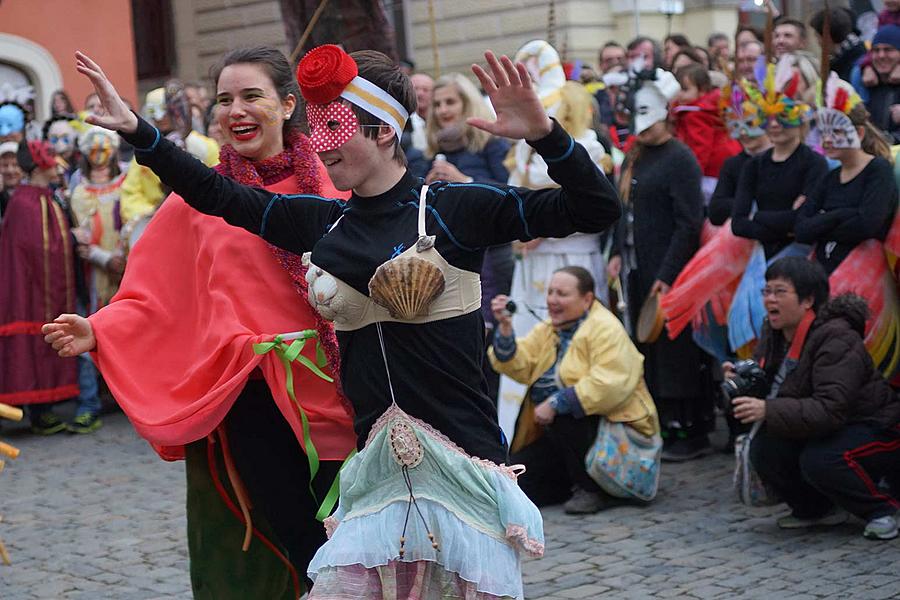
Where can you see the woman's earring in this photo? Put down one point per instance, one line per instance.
(288, 116)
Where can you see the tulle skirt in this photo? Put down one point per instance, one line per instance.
(477, 517)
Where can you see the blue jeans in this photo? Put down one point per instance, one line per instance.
(88, 387)
(88, 391)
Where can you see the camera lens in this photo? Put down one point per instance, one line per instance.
(511, 307)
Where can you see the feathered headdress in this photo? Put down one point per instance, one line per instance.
(742, 116)
(775, 91)
(832, 116)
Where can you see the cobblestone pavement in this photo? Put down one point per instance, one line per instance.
(100, 517)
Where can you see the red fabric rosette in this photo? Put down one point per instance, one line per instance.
(42, 154)
(324, 73)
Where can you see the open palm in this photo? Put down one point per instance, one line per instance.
(70, 335)
(520, 114)
(118, 116)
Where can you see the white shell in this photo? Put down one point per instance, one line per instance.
(323, 288)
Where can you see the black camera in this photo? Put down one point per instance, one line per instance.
(511, 307)
(748, 379)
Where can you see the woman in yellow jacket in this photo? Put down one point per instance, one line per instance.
(580, 366)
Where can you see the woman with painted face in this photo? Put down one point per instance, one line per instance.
(831, 423)
(428, 502)
(851, 217)
(95, 205)
(857, 201)
(661, 186)
(744, 123)
(226, 410)
(580, 366)
(62, 136)
(775, 184)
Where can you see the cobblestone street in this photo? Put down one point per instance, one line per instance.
(100, 517)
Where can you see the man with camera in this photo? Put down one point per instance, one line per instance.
(831, 438)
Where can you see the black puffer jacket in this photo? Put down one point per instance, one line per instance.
(834, 382)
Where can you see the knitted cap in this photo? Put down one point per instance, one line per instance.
(888, 34)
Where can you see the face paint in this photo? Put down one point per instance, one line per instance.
(837, 128)
(62, 136)
(330, 125)
(743, 122)
(12, 119)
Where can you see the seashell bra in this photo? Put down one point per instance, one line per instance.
(418, 286)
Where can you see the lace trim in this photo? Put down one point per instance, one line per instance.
(394, 411)
(519, 535)
(331, 524)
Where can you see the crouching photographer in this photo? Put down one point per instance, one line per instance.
(586, 388)
(832, 423)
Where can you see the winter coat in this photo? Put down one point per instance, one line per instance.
(834, 382)
(601, 363)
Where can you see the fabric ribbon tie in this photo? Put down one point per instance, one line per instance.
(289, 352)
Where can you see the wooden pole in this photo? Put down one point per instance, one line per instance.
(435, 56)
(306, 32)
(13, 413)
(10, 451)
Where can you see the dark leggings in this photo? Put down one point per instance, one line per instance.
(555, 462)
(275, 471)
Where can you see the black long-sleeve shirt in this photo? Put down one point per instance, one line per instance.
(435, 367)
(774, 186)
(722, 201)
(839, 216)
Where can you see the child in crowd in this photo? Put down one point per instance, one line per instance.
(699, 124)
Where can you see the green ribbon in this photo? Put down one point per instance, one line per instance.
(287, 353)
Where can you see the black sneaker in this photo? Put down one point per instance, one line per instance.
(683, 449)
(47, 423)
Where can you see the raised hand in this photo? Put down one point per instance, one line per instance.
(118, 116)
(520, 114)
(70, 335)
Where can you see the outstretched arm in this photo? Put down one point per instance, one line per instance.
(291, 222)
(483, 215)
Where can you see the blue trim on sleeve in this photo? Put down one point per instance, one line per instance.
(565, 155)
(153, 145)
(505, 193)
(443, 225)
(265, 217)
(521, 211)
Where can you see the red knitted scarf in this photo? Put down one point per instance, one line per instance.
(298, 160)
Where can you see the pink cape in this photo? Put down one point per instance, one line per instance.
(176, 342)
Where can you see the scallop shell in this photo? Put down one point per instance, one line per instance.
(406, 448)
(406, 286)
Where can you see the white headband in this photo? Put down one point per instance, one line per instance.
(374, 100)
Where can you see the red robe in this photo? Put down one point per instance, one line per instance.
(37, 283)
(175, 344)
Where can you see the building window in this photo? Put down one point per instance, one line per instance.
(154, 38)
